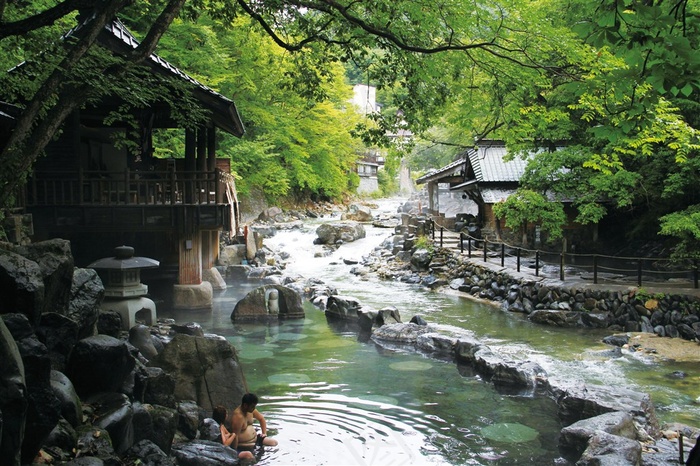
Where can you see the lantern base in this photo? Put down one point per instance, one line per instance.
(130, 309)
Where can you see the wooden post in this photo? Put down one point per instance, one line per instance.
(639, 272)
(561, 267)
(595, 269)
(469, 247)
(503, 254)
(442, 232)
(681, 459)
(461, 242)
(485, 249)
(518, 259)
(537, 263)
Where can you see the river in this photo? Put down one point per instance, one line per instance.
(331, 400)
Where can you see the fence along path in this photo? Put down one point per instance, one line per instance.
(571, 267)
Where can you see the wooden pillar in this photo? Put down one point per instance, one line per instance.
(210, 248)
(190, 259)
(433, 197)
(190, 164)
(211, 149)
(202, 142)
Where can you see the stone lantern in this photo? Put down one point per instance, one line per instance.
(124, 292)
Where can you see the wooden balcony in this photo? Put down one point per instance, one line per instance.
(127, 188)
(99, 200)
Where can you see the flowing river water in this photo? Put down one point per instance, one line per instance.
(331, 400)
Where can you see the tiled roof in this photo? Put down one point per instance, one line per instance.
(489, 166)
(449, 169)
(225, 114)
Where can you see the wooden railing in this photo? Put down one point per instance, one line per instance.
(567, 266)
(127, 188)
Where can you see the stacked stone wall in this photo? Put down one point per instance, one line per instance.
(547, 301)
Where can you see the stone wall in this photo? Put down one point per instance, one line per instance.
(552, 302)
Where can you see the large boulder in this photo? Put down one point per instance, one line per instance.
(113, 413)
(339, 232)
(205, 369)
(204, 453)
(611, 450)
(55, 261)
(343, 308)
(13, 398)
(420, 260)
(99, 363)
(59, 333)
(357, 213)
(43, 409)
(87, 292)
(149, 454)
(22, 285)
(269, 302)
(232, 254)
(576, 436)
(70, 405)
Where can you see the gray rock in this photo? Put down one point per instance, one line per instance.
(405, 334)
(269, 302)
(22, 285)
(204, 453)
(165, 422)
(140, 337)
(63, 437)
(209, 430)
(96, 442)
(420, 260)
(70, 405)
(190, 416)
(86, 294)
(576, 436)
(13, 402)
(611, 450)
(149, 454)
(99, 363)
(343, 307)
(205, 369)
(109, 323)
(331, 233)
(113, 413)
(55, 262)
(160, 387)
(59, 333)
(357, 213)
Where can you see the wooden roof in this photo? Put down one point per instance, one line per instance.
(116, 37)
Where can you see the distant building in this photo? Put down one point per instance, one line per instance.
(365, 99)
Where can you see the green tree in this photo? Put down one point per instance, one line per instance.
(399, 40)
(526, 207)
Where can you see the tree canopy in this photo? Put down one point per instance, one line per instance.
(615, 82)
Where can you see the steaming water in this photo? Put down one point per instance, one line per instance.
(330, 400)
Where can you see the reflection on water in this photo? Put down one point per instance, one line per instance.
(332, 400)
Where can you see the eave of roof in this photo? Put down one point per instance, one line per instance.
(224, 112)
(448, 169)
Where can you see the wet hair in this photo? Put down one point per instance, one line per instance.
(219, 414)
(249, 399)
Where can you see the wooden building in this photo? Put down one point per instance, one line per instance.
(484, 176)
(99, 195)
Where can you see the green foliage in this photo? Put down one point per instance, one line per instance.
(527, 206)
(685, 227)
(615, 82)
(388, 183)
(424, 242)
(644, 295)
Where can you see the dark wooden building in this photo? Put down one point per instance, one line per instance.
(100, 195)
